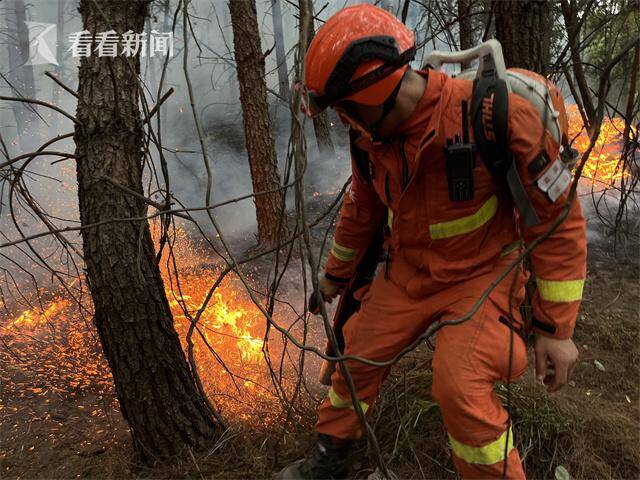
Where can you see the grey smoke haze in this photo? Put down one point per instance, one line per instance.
(216, 95)
(211, 69)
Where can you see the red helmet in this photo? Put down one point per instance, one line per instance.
(360, 54)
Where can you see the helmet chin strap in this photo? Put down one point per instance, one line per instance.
(387, 107)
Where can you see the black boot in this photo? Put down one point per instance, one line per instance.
(327, 460)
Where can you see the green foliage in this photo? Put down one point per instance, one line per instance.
(610, 25)
(561, 473)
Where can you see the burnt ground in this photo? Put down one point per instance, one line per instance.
(591, 427)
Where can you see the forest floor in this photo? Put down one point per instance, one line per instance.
(591, 427)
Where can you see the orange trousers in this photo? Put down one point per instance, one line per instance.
(469, 358)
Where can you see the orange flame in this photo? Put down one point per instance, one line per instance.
(604, 165)
(60, 351)
(36, 316)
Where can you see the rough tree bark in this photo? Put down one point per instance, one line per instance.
(154, 385)
(320, 122)
(281, 59)
(522, 27)
(255, 113)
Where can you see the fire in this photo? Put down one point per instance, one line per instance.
(250, 347)
(62, 351)
(33, 317)
(604, 165)
(56, 351)
(225, 319)
(230, 320)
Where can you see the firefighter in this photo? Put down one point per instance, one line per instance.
(445, 245)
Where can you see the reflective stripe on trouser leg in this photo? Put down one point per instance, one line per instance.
(477, 471)
(369, 334)
(338, 416)
(469, 358)
(488, 454)
(338, 402)
(343, 253)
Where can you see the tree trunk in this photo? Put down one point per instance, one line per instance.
(281, 59)
(55, 95)
(489, 27)
(522, 27)
(21, 76)
(572, 23)
(320, 122)
(255, 113)
(155, 387)
(464, 26)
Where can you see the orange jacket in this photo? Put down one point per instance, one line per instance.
(435, 242)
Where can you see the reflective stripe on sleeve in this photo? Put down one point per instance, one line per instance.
(390, 219)
(560, 290)
(345, 254)
(465, 224)
(486, 455)
(338, 402)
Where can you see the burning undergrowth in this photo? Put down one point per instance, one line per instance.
(605, 167)
(51, 352)
(244, 371)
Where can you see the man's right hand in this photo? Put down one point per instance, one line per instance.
(328, 289)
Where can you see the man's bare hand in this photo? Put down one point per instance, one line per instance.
(328, 289)
(555, 361)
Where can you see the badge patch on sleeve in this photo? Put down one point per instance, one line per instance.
(560, 185)
(555, 180)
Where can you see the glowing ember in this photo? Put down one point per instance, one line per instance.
(35, 317)
(61, 351)
(56, 350)
(604, 164)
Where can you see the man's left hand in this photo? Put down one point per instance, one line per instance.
(555, 361)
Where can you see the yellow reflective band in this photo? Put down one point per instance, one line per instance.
(339, 402)
(343, 253)
(390, 218)
(487, 455)
(560, 290)
(465, 224)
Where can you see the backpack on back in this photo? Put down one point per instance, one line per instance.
(492, 83)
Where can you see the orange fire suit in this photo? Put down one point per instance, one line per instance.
(442, 255)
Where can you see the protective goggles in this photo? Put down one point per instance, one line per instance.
(339, 84)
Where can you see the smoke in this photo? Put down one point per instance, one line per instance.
(211, 70)
(217, 106)
(600, 207)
